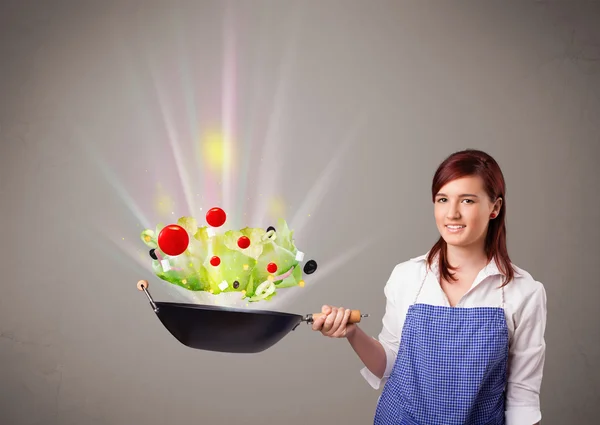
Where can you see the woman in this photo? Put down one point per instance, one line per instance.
(463, 331)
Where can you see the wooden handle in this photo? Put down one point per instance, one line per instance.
(355, 316)
(142, 284)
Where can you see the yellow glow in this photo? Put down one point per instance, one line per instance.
(276, 208)
(215, 150)
(163, 203)
(301, 284)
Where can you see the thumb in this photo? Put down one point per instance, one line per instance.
(318, 322)
(326, 309)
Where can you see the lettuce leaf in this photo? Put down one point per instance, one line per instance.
(273, 253)
(189, 224)
(255, 249)
(149, 238)
(285, 236)
(293, 279)
(231, 267)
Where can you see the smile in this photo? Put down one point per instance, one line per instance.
(455, 228)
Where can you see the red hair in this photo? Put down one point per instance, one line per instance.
(471, 162)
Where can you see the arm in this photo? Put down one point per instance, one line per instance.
(369, 350)
(379, 355)
(526, 361)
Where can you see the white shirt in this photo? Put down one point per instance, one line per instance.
(525, 311)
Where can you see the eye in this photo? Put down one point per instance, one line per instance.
(442, 200)
(468, 201)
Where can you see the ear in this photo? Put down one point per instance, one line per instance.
(497, 207)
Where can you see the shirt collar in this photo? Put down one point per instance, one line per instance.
(491, 269)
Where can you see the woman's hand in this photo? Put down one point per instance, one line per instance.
(333, 322)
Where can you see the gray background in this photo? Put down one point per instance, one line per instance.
(351, 106)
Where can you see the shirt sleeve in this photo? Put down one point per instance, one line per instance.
(389, 337)
(526, 362)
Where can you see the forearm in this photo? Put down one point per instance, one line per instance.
(369, 350)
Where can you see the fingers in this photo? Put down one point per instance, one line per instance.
(318, 322)
(337, 322)
(344, 316)
(329, 321)
(332, 322)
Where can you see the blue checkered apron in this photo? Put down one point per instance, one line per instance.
(450, 369)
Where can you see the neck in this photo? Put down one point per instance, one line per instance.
(467, 257)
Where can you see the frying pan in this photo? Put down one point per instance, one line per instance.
(228, 329)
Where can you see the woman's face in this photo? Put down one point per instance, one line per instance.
(462, 211)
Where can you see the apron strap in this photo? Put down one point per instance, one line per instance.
(422, 282)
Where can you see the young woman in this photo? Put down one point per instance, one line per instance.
(463, 331)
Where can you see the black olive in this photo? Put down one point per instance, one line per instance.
(310, 267)
(236, 284)
(153, 254)
(270, 228)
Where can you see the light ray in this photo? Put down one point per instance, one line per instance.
(286, 295)
(95, 158)
(173, 138)
(135, 259)
(228, 104)
(191, 108)
(324, 182)
(244, 160)
(271, 162)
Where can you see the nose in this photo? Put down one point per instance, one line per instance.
(453, 211)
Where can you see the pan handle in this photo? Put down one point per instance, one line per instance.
(142, 285)
(355, 317)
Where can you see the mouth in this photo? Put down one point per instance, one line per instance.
(455, 228)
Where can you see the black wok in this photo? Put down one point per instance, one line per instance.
(227, 329)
